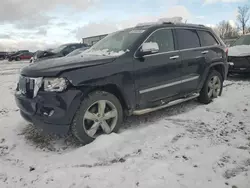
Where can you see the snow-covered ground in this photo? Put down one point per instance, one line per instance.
(189, 145)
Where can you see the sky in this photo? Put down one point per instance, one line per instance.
(37, 24)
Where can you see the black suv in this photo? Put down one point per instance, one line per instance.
(130, 72)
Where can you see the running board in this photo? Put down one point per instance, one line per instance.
(172, 103)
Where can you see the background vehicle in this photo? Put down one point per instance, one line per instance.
(12, 56)
(77, 51)
(3, 55)
(9, 54)
(239, 55)
(60, 51)
(130, 72)
(23, 56)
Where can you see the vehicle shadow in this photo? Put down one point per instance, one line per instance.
(48, 142)
(150, 118)
(59, 144)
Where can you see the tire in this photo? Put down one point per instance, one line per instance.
(18, 59)
(81, 124)
(205, 93)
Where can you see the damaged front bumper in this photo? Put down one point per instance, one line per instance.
(50, 111)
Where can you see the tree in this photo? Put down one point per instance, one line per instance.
(243, 17)
(226, 30)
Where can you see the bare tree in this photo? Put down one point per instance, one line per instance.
(243, 17)
(226, 30)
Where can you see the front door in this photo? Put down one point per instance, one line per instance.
(157, 76)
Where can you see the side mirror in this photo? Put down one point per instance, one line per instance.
(149, 48)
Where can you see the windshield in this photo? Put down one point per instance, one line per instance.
(116, 43)
(58, 49)
(244, 40)
(77, 51)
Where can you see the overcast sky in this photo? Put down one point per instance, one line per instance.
(38, 24)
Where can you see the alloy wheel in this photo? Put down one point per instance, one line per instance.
(101, 117)
(214, 87)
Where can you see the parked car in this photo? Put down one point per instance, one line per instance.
(60, 51)
(3, 55)
(239, 55)
(130, 72)
(23, 56)
(77, 51)
(229, 42)
(12, 56)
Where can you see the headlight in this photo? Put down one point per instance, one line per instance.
(55, 84)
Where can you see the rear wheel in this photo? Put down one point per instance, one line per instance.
(18, 59)
(212, 87)
(99, 113)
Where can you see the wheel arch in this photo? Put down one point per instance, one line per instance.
(110, 88)
(218, 66)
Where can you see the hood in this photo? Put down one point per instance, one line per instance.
(53, 67)
(241, 50)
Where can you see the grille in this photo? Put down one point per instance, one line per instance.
(26, 86)
(240, 62)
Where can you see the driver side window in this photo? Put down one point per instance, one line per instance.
(164, 39)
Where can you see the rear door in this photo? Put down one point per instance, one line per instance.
(157, 76)
(212, 51)
(192, 58)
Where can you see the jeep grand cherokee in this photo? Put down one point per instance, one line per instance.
(130, 72)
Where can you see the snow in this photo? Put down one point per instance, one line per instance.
(173, 20)
(189, 145)
(241, 50)
(105, 52)
(161, 21)
(150, 46)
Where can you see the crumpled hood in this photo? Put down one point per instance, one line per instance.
(52, 67)
(241, 50)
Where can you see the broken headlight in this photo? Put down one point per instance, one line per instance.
(55, 84)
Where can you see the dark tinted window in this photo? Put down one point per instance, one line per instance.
(187, 38)
(164, 38)
(207, 38)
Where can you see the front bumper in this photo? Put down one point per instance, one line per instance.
(233, 69)
(50, 111)
(239, 65)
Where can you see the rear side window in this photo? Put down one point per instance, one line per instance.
(207, 39)
(164, 38)
(187, 38)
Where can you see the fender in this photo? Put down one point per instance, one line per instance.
(208, 68)
(117, 74)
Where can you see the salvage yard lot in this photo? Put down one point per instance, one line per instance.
(189, 145)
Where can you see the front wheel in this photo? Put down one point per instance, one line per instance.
(100, 113)
(212, 87)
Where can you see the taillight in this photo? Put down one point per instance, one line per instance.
(226, 51)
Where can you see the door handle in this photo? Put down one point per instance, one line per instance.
(174, 57)
(204, 52)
